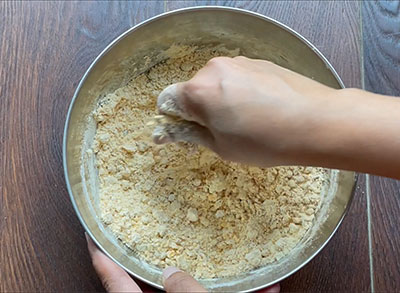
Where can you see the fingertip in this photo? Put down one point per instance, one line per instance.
(175, 280)
(276, 288)
(160, 135)
(112, 276)
(90, 244)
(168, 272)
(87, 237)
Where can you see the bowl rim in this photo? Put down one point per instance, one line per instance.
(144, 23)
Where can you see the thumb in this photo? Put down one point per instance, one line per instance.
(171, 131)
(113, 278)
(177, 281)
(170, 102)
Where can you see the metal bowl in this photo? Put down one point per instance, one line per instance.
(257, 36)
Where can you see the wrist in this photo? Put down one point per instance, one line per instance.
(354, 130)
(326, 128)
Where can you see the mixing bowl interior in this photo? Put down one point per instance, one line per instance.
(145, 45)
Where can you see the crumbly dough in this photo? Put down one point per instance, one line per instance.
(179, 204)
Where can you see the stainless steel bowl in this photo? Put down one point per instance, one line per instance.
(257, 37)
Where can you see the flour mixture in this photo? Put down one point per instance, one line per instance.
(179, 204)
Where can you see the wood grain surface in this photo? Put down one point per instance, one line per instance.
(45, 47)
(381, 42)
(385, 211)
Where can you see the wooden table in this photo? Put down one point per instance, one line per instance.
(45, 47)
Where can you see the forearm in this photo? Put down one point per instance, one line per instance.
(356, 130)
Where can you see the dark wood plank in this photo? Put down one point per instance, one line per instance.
(45, 47)
(381, 40)
(385, 211)
(334, 28)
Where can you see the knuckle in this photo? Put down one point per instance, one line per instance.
(191, 92)
(240, 58)
(190, 88)
(218, 61)
(107, 284)
(199, 90)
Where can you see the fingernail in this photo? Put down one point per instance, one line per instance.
(161, 139)
(89, 240)
(160, 135)
(168, 272)
(169, 107)
(90, 244)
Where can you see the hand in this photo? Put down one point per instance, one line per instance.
(251, 111)
(256, 112)
(115, 279)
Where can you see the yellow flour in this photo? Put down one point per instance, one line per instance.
(179, 204)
